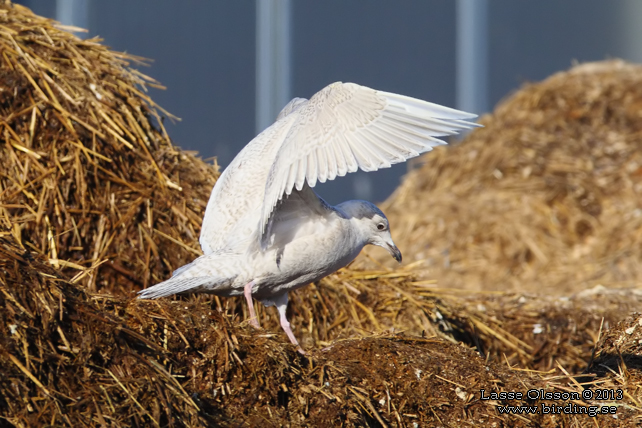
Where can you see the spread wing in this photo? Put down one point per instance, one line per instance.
(345, 127)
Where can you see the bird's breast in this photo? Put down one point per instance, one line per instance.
(308, 258)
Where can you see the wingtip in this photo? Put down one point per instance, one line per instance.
(146, 294)
(435, 110)
(468, 125)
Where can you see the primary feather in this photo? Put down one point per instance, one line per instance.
(345, 127)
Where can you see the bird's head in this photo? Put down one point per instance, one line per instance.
(372, 224)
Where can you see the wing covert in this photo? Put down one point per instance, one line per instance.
(345, 127)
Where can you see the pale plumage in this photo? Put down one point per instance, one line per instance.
(266, 232)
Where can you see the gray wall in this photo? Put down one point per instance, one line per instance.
(531, 40)
(204, 52)
(409, 50)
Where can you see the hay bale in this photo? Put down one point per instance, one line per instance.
(544, 199)
(89, 173)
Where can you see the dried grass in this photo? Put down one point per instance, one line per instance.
(67, 356)
(88, 172)
(545, 198)
(74, 358)
(97, 203)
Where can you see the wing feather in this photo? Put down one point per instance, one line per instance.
(333, 162)
(351, 162)
(410, 137)
(322, 162)
(311, 175)
(294, 168)
(386, 150)
(234, 208)
(346, 127)
(342, 167)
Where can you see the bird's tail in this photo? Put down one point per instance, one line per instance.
(202, 275)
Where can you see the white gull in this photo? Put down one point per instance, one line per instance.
(266, 232)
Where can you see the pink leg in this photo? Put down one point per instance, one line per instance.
(247, 290)
(282, 305)
(285, 324)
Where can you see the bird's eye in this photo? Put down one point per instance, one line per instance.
(381, 226)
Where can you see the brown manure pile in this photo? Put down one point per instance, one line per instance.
(88, 172)
(546, 198)
(68, 358)
(619, 354)
(522, 330)
(73, 358)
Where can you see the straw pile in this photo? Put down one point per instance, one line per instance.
(95, 199)
(73, 358)
(88, 172)
(545, 198)
(66, 357)
(619, 353)
(528, 331)
(617, 363)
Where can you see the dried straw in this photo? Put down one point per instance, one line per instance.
(74, 358)
(95, 199)
(545, 198)
(88, 171)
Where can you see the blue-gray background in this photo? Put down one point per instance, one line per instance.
(204, 52)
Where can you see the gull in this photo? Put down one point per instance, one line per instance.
(266, 232)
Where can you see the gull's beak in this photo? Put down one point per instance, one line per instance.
(394, 251)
